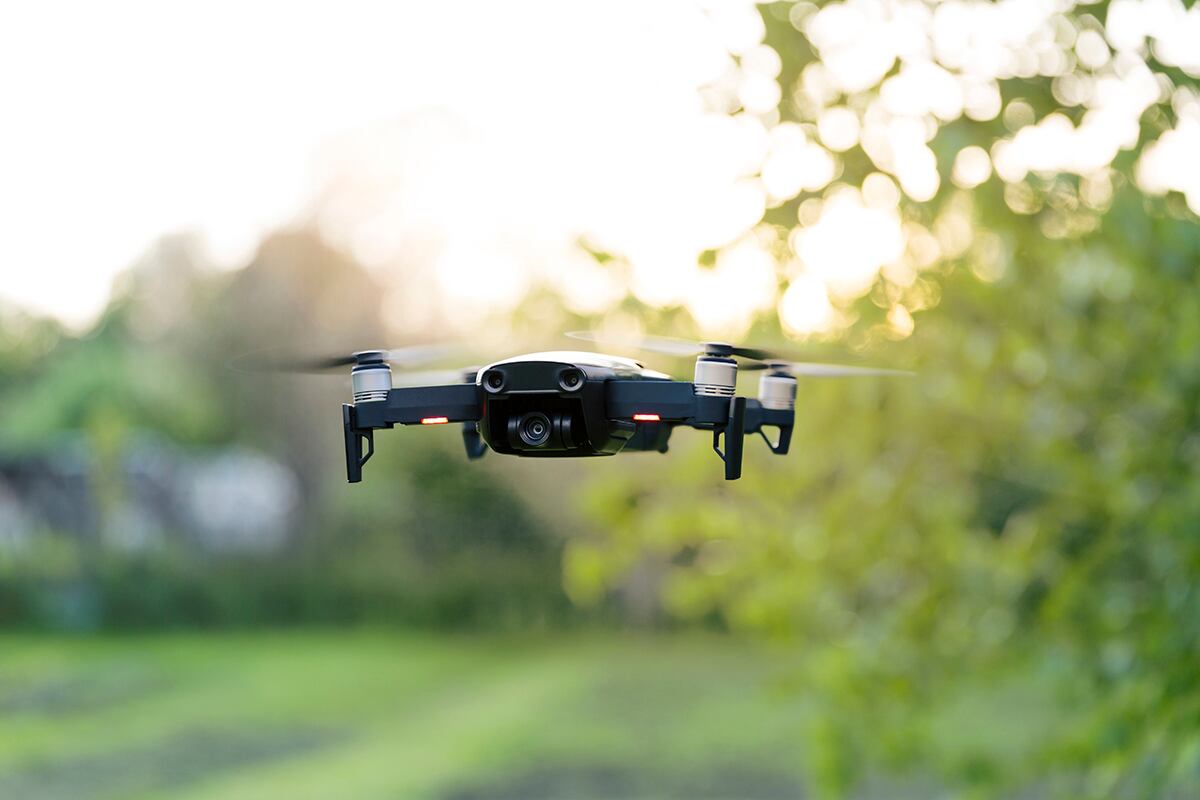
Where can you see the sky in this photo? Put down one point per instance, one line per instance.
(473, 148)
(538, 122)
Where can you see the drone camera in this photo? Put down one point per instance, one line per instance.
(535, 430)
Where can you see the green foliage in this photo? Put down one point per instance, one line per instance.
(1033, 492)
(56, 582)
(425, 543)
(107, 389)
(1024, 512)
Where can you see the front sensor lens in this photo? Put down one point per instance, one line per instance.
(570, 379)
(494, 381)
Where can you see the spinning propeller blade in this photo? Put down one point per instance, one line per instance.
(401, 357)
(680, 347)
(810, 369)
(762, 359)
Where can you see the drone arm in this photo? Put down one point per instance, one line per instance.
(422, 405)
(417, 405)
(673, 401)
(677, 402)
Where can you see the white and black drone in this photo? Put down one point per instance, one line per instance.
(570, 404)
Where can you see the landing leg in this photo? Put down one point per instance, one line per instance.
(735, 435)
(472, 441)
(354, 444)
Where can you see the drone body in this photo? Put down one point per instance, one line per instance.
(567, 404)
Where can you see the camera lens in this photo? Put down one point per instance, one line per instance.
(534, 429)
(493, 380)
(570, 379)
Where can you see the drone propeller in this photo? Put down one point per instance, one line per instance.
(402, 357)
(761, 359)
(682, 347)
(810, 369)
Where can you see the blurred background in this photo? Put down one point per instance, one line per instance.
(981, 582)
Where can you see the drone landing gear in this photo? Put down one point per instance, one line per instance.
(779, 447)
(735, 435)
(355, 437)
(472, 441)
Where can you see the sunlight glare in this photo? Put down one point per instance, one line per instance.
(805, 309)
(849, 244)
(971, 167)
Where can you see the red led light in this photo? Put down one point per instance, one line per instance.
(435, 420)
(646, 418)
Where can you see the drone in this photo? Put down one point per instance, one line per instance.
(574, 404)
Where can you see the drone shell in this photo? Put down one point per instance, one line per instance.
(570, 404)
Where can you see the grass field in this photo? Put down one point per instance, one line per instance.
(378, 714)
(285, 715)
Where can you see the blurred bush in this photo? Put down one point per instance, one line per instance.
(145, 483)
(1025, 511)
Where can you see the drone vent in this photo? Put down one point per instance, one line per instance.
(714, 391)
(370, 396)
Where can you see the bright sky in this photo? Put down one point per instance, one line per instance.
(470, 147)
(534, 122)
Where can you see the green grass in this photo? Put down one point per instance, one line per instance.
(401, 715)
(377, 714)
